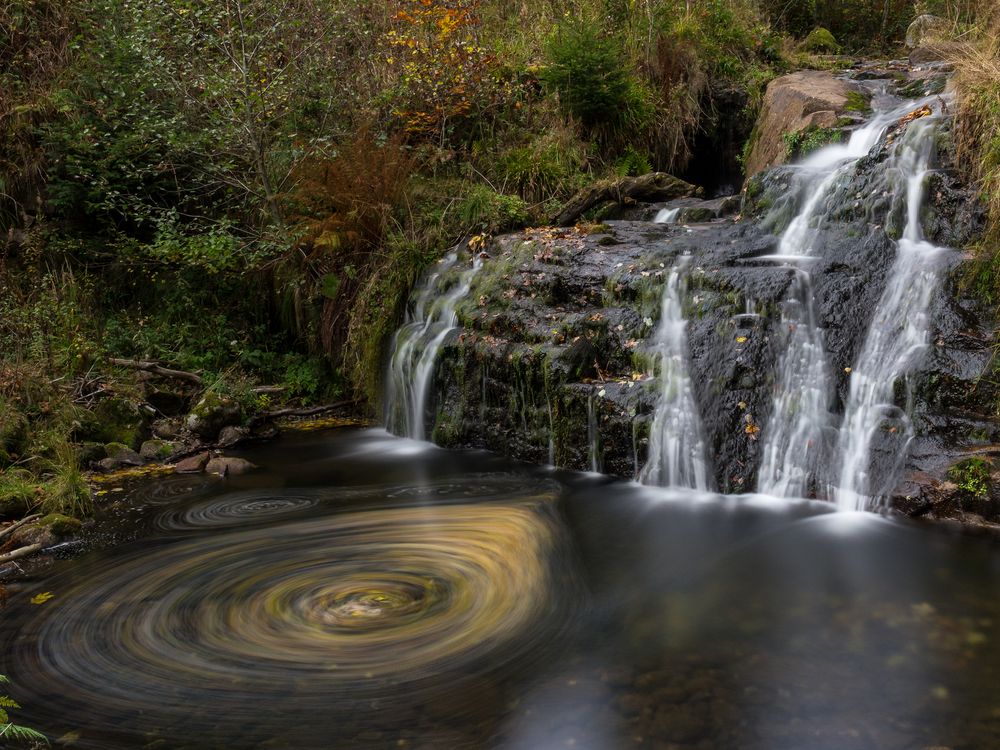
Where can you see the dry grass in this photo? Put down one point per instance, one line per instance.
(977, 85)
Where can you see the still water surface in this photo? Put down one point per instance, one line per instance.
(366, 591)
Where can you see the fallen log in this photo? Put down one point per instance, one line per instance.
(157, 369)
(648, 188)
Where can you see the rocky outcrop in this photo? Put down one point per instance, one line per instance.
(552, 363)
(795, 103)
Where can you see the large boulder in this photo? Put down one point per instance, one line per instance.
(926, 29)
(794, 103)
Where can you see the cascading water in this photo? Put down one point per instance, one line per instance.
(794, 450)
(418, 342)
(666, 216)
(899, 331)
(799, 456)
(676, 445)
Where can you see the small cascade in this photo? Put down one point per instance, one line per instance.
(899, 331)
(796, 447)
(666, 216)
(676, 445)
(418, 342)
(593, 435)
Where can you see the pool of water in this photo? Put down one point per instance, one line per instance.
(367, 591)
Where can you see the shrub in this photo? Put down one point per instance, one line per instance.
(589, 71)
(486, 211)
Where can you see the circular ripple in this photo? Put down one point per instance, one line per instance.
(239, 508)
(347, 603)
(172, 487)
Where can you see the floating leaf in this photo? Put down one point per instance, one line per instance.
(741, 339)
(42, 598)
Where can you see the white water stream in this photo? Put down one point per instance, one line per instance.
(899, 332)
(418, 342)
(800, 457)
(676, 446)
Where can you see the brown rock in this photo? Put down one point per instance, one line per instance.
(192, 464)
(226, 466)
(793, 103)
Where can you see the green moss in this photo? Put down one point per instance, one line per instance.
(803, 142)
(820, 40)
(858, 101)
(59, 524)
(972, 477)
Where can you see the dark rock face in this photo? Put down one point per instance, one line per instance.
(551, 362)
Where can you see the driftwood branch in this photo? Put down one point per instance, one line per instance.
(649, 188)
(15, 526)
(18, 553)
(157, 369)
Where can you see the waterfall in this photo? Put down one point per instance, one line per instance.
(676, 445)
(666, 216)
(798, 446)
(430, 317)
(794, 441)
(899, 331)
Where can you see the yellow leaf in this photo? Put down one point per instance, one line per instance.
(42, 598)
(741, 339)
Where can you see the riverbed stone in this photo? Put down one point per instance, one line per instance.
(157, 449)
(192, 464)
(119, 456)
(227, 466)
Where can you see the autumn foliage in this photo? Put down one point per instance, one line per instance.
(443, 72)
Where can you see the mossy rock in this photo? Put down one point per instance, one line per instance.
(212, 413)
(156, 449)
(60, 525)
(859, 101)
(820, 41)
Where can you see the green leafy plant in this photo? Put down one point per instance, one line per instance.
(972, 476)
(17, 732)
(803, 142)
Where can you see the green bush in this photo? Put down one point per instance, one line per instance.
(972, 477)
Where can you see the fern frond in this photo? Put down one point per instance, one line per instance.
(22, 733)
(8, 702)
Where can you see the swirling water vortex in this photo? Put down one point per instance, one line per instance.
(318, 612)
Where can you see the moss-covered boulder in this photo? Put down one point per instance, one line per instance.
(212, 413)
(60, 525)
(820, 41)
(157, 449)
